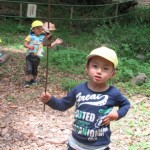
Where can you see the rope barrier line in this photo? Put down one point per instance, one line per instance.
(71, 19)
(67, 5)
(113, 17)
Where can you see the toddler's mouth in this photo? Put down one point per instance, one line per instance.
(97, 77)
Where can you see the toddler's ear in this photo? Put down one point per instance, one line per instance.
(113, 73)
(87, 67)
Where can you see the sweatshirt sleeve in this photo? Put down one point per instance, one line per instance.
(64, 103)
(27, 38)
(123, 104)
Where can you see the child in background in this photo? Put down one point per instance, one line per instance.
(34, 44)
(94, 101)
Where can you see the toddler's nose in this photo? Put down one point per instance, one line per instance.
(99, 70)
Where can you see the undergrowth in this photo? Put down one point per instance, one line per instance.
(129, 39)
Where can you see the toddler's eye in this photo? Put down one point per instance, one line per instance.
(95, 66)
(106, 68)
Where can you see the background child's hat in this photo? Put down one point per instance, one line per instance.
(49, 26)
(36, 23)
(106, 53)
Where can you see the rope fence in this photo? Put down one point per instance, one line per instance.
(19, 9)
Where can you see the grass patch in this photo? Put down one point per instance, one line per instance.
(67, 84)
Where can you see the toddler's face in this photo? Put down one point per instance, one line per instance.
(38, 30)
(100, 70)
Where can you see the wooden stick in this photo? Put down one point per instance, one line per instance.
(47, 53)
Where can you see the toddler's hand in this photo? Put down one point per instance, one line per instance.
(58, 41)
(45, 97)
(31, 47)
(113, 115)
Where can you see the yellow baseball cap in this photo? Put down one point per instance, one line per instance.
(36, 23)
(106, 53)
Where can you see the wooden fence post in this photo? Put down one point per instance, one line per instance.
(71, 16)
(116, 13)
(20, 12)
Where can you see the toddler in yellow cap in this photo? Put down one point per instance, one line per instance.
(34, 44)
(94, 101)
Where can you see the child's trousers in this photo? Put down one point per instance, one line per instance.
(70, 148)
(32, 63)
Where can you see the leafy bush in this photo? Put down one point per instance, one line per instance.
(68, 84)
(129, 68)
(70, 60)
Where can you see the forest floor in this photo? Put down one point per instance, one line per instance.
(24, 125)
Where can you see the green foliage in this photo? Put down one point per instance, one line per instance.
(129, 68)
(140, 145)
(129, 40)
(13, 35)
(11, 27)
(69, 60)
(127, 36)
(67, 84)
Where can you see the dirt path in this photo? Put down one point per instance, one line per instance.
(24, 125)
